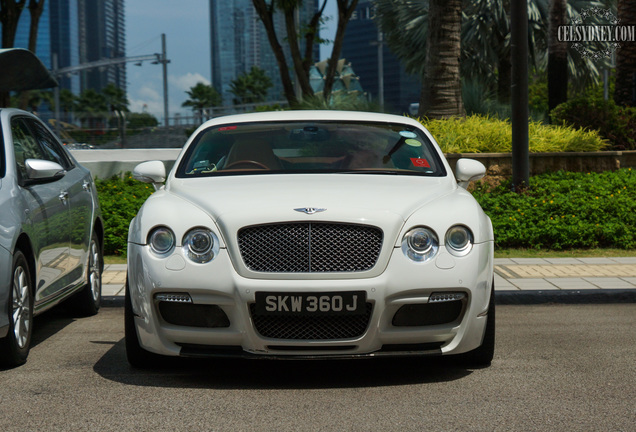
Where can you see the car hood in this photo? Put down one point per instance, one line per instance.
(355, 198)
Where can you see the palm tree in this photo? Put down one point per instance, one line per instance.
(251, 87)
(441, 84)
(625, 91)
(202, 96)
(485, 42)
(116, 98)
(557, 56)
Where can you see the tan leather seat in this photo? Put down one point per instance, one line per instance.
(253, 150)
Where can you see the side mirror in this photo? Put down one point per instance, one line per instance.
(468, 170)
(42, 171)
(150, 172)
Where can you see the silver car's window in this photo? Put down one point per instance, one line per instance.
(31, 141)
(281, 147)
(25, 146)
(50, 147)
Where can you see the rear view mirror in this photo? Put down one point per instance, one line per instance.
(468, 170)
(150, 172)
(42, 171)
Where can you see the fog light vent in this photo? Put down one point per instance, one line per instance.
(446, 297)
(193, 315)
(173, 298)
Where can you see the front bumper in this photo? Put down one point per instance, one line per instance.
(216, 286)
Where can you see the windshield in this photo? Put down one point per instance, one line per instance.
(310, 147)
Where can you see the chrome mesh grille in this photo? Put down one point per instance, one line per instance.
(310, 247)
(311, 327)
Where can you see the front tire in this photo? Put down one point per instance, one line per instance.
(87, 301)
(14, 348)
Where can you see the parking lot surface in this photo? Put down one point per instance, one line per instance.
(556, 367)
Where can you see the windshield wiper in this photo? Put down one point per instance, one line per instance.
(395, 148)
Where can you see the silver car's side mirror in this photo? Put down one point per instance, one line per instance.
(150, 172)
(42, 171)
(468, 170)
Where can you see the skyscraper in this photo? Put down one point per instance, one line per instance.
(360, 48)
(239, 41)
(102, 36)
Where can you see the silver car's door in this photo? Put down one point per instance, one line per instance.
(80, 200)
(47, 206)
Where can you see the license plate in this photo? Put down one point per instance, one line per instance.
(304, 304)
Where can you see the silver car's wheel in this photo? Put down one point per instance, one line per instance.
(21, 316)
(87, 301)
(95, 271)
(14, 348)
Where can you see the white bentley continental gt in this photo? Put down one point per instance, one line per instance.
(310, 234)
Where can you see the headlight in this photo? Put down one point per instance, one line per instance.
(420, 244)
(200, 245)
(161, 240)
(459, 240)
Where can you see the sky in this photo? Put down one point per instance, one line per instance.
(186, 24)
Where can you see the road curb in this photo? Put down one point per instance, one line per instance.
(565, 296)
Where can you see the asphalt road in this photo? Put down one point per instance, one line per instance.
(557, 368)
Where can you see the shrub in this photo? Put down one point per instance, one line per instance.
(120, 199)
(482, 134)
(564, 210)
(614, 123)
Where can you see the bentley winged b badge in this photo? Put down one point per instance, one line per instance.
(310, 210)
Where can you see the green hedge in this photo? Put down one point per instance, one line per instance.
(483, 134)
(120, 200)
(559, 211)
(564, 210)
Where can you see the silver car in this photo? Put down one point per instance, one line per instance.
(51, 231)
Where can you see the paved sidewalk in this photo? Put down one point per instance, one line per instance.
(517, 280)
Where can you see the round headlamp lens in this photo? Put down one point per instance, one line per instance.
(420, 244)
(200, 242)
(200, 245)
(459, 240)
(420, 241)
(161, 240)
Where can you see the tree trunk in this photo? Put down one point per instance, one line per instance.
(265, 13)
(441, 85)
(292, 38)
(35, 10)
(625, 91)
(557, 56)
(344, 14)
(310, 36)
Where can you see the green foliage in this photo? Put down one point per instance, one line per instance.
(120, 200)
(251, 87)
(483, 134)
(478, 99)
(613, 122)
(341, 102)
(202, 96)
(141, 120)
(564, 210)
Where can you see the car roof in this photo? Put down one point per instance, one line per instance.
(309, 115)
